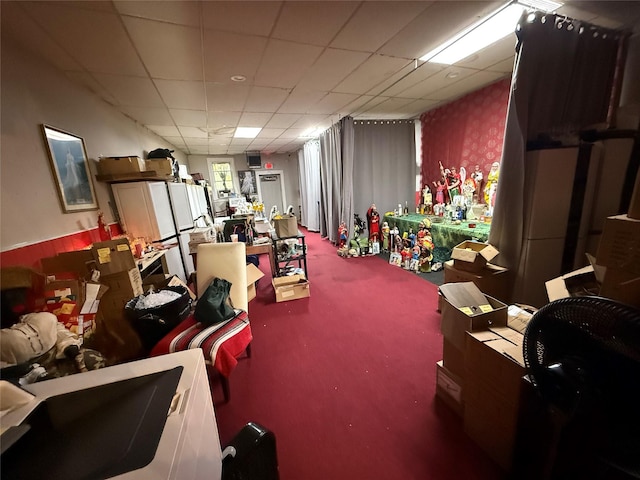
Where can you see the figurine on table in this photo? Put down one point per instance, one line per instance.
(492, 183)
(343, 235)
(373, 219)
(415, 257)
(412, 238)
(406, 256)
(386, 233)
(424, 262)
(440, 188)
(453, 183)
(477, 176)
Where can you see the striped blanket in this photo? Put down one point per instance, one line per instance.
(221, 343)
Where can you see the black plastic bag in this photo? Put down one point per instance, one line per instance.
(214, 306)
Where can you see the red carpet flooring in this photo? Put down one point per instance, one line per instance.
(346, 378)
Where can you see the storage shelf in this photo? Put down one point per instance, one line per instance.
(133, 177)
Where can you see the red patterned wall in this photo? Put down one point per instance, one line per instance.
(30, 255)
(466, 132)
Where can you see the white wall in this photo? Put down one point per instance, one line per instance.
(34, 93)
(288, 163)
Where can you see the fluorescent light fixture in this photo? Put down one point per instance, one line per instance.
(485, 32)
(247, 132)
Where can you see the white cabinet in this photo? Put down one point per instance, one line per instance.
(145, 210)
(189, 446)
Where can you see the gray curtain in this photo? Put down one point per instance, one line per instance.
(331, 181)
(346, 210)
(309, 181)
(562, 82)
(384, 165)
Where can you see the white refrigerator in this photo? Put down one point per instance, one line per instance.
(146, 210)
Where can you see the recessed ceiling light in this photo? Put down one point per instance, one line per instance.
(238, 78)
(247, 132)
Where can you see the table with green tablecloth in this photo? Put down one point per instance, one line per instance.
(445, 235)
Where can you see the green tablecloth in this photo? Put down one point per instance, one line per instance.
(445, 235)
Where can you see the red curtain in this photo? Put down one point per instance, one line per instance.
(465, 133)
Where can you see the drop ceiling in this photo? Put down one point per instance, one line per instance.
(168, 64)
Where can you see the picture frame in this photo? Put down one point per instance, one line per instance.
(70, 169)
(248, 181)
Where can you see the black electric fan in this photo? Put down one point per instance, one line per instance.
(583, 356)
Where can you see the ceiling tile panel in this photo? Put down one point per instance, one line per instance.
(182, 94)
(282, 120)
(177, 141)
(309, 121)
(196, 150)
(18, 25)
(299, 101)
(219, 119)
(172, 52)
(466, 85)
(423, 71)
(180, 13)
(332, 102)
(131, 91)
(95, 39)
(390, 105)
(284, 63)
(440, 80)
(189, 118)
(227, 54)
(266, 99)
(192, 132)
(313, 22)
(437, 23)
(220, 139)
(149, 116)
(501, 50)
(270, 133)
(292, 133)
(251, 119)
(251, 17)
(331, 68)
(375, 23)
(241, 142)
(196, 142)
(226, 97)
(505, 66)
(164, 131)
(372, 72)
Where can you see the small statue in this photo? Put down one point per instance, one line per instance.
(415, 256)
(385, 236)
(343, 235)
(406, 257)
(373, 219)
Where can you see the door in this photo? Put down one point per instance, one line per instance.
(181, 207)
(271, 190)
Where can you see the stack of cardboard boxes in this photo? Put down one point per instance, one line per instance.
(481, 375)
(110, 265)
(470, 262)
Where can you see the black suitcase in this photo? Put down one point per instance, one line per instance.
(251, 455)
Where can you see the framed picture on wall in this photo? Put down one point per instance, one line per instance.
(70, 169)
(248, 183)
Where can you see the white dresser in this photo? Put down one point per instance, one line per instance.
(189, 447)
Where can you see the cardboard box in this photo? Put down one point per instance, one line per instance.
(492, 279)
(126, 284)
(472, 256)
(287, 226)
(620, 244)
(202, 234)
(113, 256)
(162, 166)
(466, 308)
(120, 165)
(577, 283)
(79, 263)
(494, 391)
(622, 286)
(453, 359)
(291, 287)
(253, 275)
(449, 388)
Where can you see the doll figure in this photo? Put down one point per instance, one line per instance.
(477, 176)
(453, 183)
(406, 257)
(492, 182)
(373, 219)
(385, 236)
(426, 195)
(398, 243)
(343, 235)
(424, 262)
(415, 257)
(412, 238)
(440, 188)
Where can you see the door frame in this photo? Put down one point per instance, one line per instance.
(272, 172)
